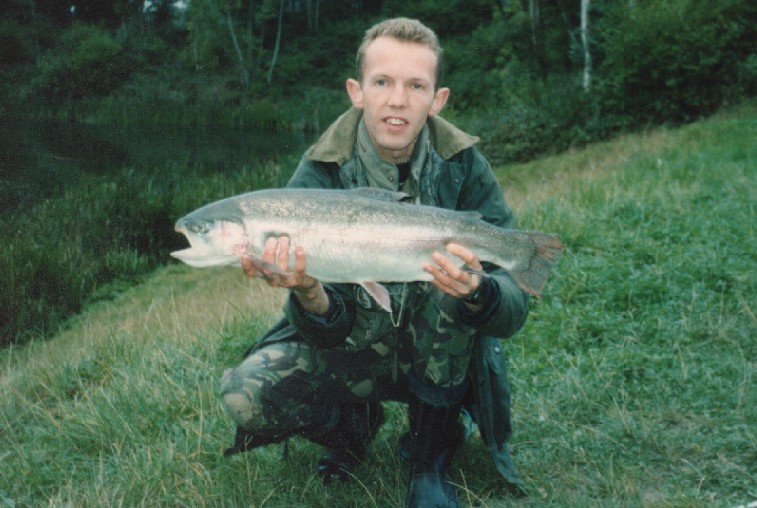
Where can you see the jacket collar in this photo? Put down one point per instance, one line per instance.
(337, 143)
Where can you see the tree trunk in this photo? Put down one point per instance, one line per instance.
(243, 68)
(585, 43)
(537, 35)
(250, 47)
(313, 12)
(278, 43)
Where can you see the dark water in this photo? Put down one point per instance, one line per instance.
(39, 160)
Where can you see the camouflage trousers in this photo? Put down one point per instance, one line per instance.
(286, 386)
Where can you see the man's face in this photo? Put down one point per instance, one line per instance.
(397, 95)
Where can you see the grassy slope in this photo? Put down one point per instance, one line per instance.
(635, 379)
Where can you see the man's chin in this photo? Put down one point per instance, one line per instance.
(397, 149)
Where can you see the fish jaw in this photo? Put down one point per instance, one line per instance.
(212, 243)
(198, 259)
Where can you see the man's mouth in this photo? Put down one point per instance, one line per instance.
(395, 121)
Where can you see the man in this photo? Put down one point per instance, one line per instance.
(322, 371)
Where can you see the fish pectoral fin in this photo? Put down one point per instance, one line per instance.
(378, 293)
(262, 266)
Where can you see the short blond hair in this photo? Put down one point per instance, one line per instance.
(405, 30)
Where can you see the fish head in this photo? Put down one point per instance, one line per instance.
(213, 241)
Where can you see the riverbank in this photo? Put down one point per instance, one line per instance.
(633, 379)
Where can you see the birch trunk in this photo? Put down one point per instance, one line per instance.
(278, 43)
(585, 43)
(243, 68)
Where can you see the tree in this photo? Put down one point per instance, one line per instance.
(313, 11)
(240, 56)
(585, 43)
(275, 57)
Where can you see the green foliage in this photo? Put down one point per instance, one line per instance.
(674, 61)
(513, 70)
(88, 62)
(100, 236)
(15, 48)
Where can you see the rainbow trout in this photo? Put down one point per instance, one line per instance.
(363, 236)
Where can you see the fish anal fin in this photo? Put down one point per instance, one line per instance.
(378, 293)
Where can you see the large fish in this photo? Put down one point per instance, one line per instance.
(363, 236)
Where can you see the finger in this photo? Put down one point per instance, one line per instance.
(248, 267)
(450, 278)
(283, 253)
(269, 250)
(444, 281)
(467, 255)
(299, 259)
(450, 267)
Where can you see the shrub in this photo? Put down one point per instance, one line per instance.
(14, 45)
(88, 62)
(676, 61)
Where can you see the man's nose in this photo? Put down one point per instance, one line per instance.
(398, 97)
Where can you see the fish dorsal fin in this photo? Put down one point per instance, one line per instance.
(470, 213)
(381, 194)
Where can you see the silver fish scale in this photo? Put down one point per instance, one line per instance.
(362, 235)
(384, 241)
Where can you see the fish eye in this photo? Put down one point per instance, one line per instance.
(199, 228)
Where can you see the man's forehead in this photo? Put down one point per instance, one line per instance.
(388, 52)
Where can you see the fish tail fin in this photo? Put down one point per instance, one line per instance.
(533, 274)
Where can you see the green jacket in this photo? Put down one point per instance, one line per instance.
(455, 176)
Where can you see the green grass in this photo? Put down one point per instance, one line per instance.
(635, 379)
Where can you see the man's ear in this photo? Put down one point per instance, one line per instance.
(440, 99)
(355, 91)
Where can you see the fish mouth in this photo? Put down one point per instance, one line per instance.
(200, 258)
(198, 255)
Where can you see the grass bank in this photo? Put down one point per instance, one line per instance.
(635, 379)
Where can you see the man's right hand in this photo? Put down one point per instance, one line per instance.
(308, 291)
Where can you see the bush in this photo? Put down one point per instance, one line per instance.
(14, 45)
(675, 62)
(88, 62)
(559, 115)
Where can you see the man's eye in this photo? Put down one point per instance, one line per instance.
(380, 82)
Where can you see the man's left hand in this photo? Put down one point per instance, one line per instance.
(452, 279)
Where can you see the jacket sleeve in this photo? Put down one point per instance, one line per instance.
(323, 331)
(481, 192)
(331, 330)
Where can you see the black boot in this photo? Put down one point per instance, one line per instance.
(245, 441)
(435, 434)
(346, 441)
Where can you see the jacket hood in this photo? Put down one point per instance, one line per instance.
(336, 144)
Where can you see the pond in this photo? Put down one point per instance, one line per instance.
(39, 160)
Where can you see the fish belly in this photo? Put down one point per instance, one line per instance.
(368, 258)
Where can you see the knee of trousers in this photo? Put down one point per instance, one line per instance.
(242, 399)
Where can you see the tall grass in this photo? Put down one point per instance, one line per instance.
(101, 235)
(635, 378)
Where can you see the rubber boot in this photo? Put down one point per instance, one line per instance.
(347, 441)
(435, 433)
(245, 441)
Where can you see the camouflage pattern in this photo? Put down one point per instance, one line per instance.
(285, 386)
